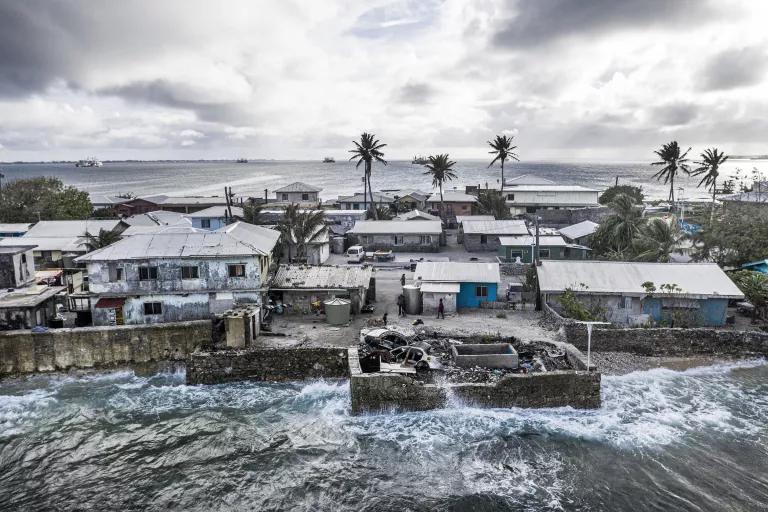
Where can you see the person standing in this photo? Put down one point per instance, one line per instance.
(401, 305)
(402, 280)
(441, 309)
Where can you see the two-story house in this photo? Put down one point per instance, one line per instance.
(170, 277)
(300, 193)
(528, 194)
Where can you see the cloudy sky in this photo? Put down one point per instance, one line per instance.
(571, 79)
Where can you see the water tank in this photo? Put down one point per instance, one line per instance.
(412, 295)
(337, 245)
(337, 310)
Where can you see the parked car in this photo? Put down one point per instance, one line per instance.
(355, 254)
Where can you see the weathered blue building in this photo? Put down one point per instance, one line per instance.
(459, 285)
(757, 266)
(215, 217)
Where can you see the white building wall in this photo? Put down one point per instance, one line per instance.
(430, 300)
(546, 198)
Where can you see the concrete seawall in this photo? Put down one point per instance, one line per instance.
(269, 364)
(99, 347)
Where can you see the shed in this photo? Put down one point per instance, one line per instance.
(304, 286)
(483, 235)
(398, 235)
(463, 285)
(579, 233)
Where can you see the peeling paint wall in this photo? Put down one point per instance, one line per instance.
(17, 270)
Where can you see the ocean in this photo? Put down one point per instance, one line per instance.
(252, 178)
(692, 440)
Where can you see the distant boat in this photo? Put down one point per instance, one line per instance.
(329, 160)
(242, 160)
(420, 160)
(89, 162)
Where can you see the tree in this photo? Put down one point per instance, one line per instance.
(299, 228)
(440, 167)
(33, 199)
(491, 202)
(367, 151)
(104, 213)
(673, 162)
(252, 212)
(656, 240)
(709, 166)
(613, 239)
(382, 213)
(636, 193)
(754, 286)
(502, 151)
(738, 235)
(104, 238)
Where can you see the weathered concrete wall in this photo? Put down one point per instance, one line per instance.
(17, 270)
(473, 243)
(268, 364)
(411, 243)
(95, 347)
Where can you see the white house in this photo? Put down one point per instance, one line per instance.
(527, 194)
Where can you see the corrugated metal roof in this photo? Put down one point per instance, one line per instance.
(16, 248)
(396, 227)
(528, 240)
(298, 186)
(216, 212)
(416, 215)
(70, 228)
(47, 243)
(495, 227)
(528, 179)
(184, 200)
(358, 198)
(182, 227)
(552, 188)
(458, 272)
(14, 227)
(579, 230)
(626, 278)
(452, 196)
(257, 236)
(321, 277)
(463, 218)
(440, 287)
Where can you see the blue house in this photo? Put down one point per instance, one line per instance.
(215, 217)
(459, 285)
(641, 293)
(757, 266)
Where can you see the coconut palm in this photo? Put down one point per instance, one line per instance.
(673, 161)
(502, 151)
(490, 202)
(104, 238)
(614, 237)
(299, 228)
(252, 212)
(656, 240)
(440, 167)
(367, 151)
(709, 167)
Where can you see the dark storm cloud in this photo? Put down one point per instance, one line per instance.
(542, 21)
(734, 68)
(674, 114)
(415, 93)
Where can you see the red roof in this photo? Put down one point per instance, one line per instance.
(110, 303)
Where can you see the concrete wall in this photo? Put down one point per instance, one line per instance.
(411, 243)
(430, 300)
(213, 222)
(97, 347)
(17, 270)
(297, 197)
(473, 243)
(301, 300)
(267, 364)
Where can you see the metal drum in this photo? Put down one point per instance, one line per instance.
(337, 311)
(412, 294)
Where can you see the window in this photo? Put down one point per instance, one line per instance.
(285, 197)
(510, 197)
(425, 239)
(483, 239)
(398, 239)
(236, 270)
(147, 273)
(544, 253)
(305, 197)
(153, 308)
(115, 274)
(481, 291)
(205, 223)
(513, 255)
(190, 272)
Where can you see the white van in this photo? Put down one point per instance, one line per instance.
(355, 254)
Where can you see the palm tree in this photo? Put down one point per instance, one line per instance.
(490, 202)
(299, 228)
(383, 213)
(617, 231)
(366, 151)
(440, 167)
(502, 150)
(672, 161)
(103, 239)
(709, 167)
(656, 240)
(252, 212)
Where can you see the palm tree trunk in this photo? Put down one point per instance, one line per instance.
(442, 203)
(501, 188)
(365, 189)
(373, 205)
(712, 213)
(672, 193)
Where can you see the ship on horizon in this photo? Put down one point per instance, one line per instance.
(420, 160)
(242, 160)
(329, 160)
(89, 162)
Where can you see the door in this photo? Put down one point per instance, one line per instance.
(119, 320)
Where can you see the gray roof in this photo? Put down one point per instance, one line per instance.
(494, 227)
(184, 226)
(70, 228)
(528, 240)
(552, 188)
(457, 272)
(527, 179)
(16, 227)
(397, 227)
(462, 218)
(298, 186)
(416, 215)
(257, 236)
(452, 196)
(47, 243)
(216, 212)
(211, 244)
(321, 277)
(15, 249)
(185, 200)
(626, 278)
(579, 230)
(155, 218)
(358, 198)
(29, 296)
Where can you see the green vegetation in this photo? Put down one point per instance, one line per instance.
(656, 239)
(491, 202)
(298, 229)
(754, 286)
(672, 162)
(440, 167)
(738, 235)
(381, 213)
(709, 166)
(104, 238)
(573, 307)
(616, 234)
(503, 150)
(252, 213)
(636, 193)
(366, 152)
(33, 199)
